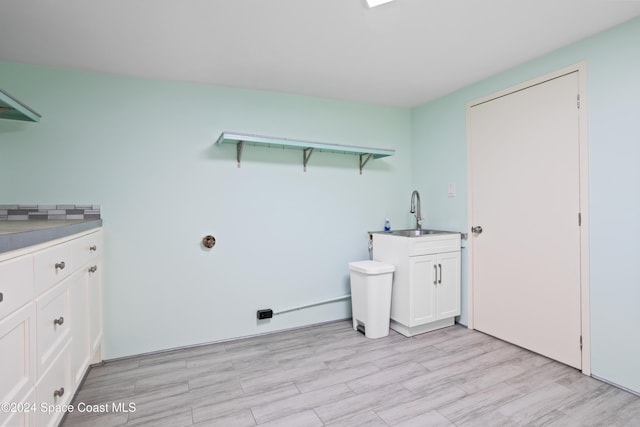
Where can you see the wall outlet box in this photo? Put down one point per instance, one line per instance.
(451, 189)
(265, 314)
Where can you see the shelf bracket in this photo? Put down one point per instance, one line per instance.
(366, 158)
(306, 154)
(239, 148)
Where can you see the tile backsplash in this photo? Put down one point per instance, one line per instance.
(44, 212)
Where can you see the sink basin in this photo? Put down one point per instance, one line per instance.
(416, 233)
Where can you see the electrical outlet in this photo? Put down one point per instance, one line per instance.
(265, 314)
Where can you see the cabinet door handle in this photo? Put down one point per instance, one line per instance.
(440, 267)
(60, 265)
(59, 321)
(58, 393)
(93, 248)
(93, 269)
(435, 274)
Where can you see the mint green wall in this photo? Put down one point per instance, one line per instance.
(439, 157)
(144, 150)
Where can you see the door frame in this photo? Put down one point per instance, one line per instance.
(581, 69)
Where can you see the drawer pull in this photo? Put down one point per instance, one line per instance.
(93, 269)
(93, 248)
(60, 265)
(59, 321)
(58, 393)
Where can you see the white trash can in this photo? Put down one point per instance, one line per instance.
(371, 283)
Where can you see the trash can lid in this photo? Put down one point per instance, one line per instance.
(371, 267)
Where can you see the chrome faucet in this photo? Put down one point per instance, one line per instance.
(415, 195)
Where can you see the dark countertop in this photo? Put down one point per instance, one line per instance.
(20, 234)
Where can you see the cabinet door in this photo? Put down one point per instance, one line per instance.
(17, 358)
(448, 288)
(95, 308)
(79, 309)
(422, 278)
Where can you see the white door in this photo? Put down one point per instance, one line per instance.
(525, 180)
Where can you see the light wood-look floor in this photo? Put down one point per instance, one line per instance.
(331, 375)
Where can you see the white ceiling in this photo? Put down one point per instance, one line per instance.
(402, 53)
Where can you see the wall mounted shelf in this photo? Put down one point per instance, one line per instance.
(307, 147)
(12, 109)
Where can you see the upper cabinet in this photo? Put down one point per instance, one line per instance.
(12, 109)
(307, 147)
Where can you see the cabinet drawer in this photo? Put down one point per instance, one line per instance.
(53, 324)
(17, 354)
(434, 244)
(51, 265)
(54, 388)
(16, 283)
(86, 248)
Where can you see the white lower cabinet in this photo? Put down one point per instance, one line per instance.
(50, 326)
(426, 284)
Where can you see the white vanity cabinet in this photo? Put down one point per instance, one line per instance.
(426, 284)
(50, 325)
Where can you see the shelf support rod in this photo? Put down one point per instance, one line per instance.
(306, 154)
(362, 163)
(239, 148)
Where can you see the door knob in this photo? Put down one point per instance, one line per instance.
(477, 229)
